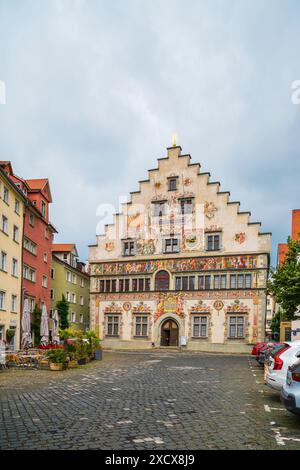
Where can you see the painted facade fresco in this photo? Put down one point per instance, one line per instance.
(176, 265)
(212, 281)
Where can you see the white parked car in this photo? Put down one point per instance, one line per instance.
(279, 362)
(290, 392)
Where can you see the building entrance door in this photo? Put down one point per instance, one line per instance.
(169, 333)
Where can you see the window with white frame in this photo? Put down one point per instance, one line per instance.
(82, 282)
(17, 206)
(220, 281)
(73, 317)
(14, 303)
(31, 220)
(74, 278)
(240, 281)
(73, 298)
(14, 267)
(29, 246)
(5, 195)
(68, 296)
(81, 300)
(113, 325)
(204, 282)
(172, 183)
(200, 326)
(81, 318)
(44, 209)
(213, 241)
(186, 206)
(185, 283)
(44, 281)
(2, 300)
(68, 276)
(236, 326)
(3, 261)
(45, 258)
(4, 224)
(171, 245)
(128, 248)
(141, 325)
(15, 233)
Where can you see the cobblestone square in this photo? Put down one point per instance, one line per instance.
(156, 400)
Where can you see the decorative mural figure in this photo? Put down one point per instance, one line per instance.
(240, 237)
(109, 246)
(209, 209)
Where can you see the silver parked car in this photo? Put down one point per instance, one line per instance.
(290, 392)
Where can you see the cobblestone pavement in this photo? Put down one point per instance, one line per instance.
(157, 400)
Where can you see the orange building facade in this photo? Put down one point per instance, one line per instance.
(283, 247)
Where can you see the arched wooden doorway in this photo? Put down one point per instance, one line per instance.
(169, 333)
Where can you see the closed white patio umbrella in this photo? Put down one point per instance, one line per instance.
(55, 335)
(26, 327)
(44, 331)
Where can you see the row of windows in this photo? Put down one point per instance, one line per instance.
(172, 245)
(5, 228)
(185, 283)
(125, 285)
(207, 282)
(70, 297)
(14, 264)
(31, 220)
(200, 325)
(5, 195)
(30, 275)
(71, 277)
(73, 317)
(13, 305)
(185, 207)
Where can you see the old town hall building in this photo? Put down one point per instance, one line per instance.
(180, 266)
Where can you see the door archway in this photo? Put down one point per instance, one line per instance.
(169, 333)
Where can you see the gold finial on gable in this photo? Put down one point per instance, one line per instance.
(174, 140)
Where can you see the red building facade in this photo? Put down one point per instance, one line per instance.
(283, 247)
(37, 240)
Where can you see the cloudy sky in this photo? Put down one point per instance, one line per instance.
(95, 89)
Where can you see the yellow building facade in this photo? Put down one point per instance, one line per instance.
(12, 206)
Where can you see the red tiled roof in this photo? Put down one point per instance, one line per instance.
(37, 183)
(62, 247)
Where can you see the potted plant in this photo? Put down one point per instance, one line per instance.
(94, 343)
(57, 359)
(72, 360)
(81, 352)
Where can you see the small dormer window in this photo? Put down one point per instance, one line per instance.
(172, 184)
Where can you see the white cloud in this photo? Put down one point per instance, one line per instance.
(97, 88)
